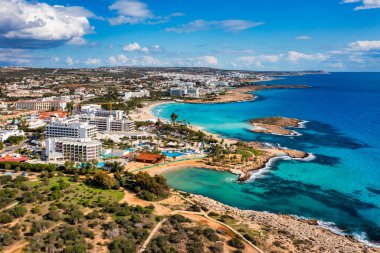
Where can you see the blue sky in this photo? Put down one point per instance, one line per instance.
(335, 35)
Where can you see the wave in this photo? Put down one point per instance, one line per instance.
(261, 172)
(302, 124)
(269, 164)
(332, 227)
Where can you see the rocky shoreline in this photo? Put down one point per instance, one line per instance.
(276, 125)
(285, 233)
(242, 94)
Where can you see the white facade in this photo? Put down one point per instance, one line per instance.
(71, 128)
(184, 92)
(108, 123)
(43, 104)
(36, 123)
(93, 109)
(136, 94)
(72, 149)
(5, 134)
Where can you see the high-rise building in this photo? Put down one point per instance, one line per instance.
(77, 150)
(70, 128)
(108, 123)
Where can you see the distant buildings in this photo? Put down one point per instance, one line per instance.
(5, 134)
(185, 90)
(136, 94)
(108, 123)
(93, 109)
(70, 128)
(77, 150)
(43, 104)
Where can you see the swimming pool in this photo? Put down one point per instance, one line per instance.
(171, 154)
(100, 164)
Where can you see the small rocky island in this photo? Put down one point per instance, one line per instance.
(275, 125)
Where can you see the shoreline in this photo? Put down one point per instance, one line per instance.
(242, 94)
(325, 234)
(277, 125)
(356, 243)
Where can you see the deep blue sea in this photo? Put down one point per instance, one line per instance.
(341, 185)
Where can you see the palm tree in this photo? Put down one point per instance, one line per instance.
(164, 156)
(173, 117)
(70, 107)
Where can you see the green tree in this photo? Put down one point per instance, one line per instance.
(173, 117)
(122, 245)
(103, 180)
(70, 107)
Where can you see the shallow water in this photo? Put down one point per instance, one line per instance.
(341, 185)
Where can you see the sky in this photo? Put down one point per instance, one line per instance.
(332, 35)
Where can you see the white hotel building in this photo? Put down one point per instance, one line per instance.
(108, 124)
(77, 150)
(136, 94)
(94, 109)
(71, 129)
(43, 104)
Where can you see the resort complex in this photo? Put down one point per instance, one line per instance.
(141, 126)
(116, 144)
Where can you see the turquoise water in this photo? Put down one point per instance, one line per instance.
(342, 185)
(173, 153)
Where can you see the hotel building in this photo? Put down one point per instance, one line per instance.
(43, 104)
(108, 123)
(77, 150)
(70, 128)
(93, 109)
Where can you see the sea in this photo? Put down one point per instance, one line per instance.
(340, 187)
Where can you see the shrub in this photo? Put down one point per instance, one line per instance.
(5, 218)
(236, 243)
(122, 245)
(18, 211)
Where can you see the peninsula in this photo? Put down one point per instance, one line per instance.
(241, 94)
(276, 125)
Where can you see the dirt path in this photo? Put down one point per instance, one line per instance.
(10, 206)
(151, 235)
(200, 217)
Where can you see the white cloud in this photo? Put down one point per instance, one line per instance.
(294, 56)
(14, 57)
(134, 12)
(38, 25)
(119, 60)
(256, 61)
(248, 61)
(303, 37)
(124, 20)
(365, 45)
(131, 8)
(149, 61)
(93, 61)
(77, 41)
(230, 25)
(69, 61)
(135, 47)
(56, 59)
(366, 4)
(207, 60)
(271, 58)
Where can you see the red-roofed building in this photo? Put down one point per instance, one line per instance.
(148, 158)
(13, 158)
(58, 114)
